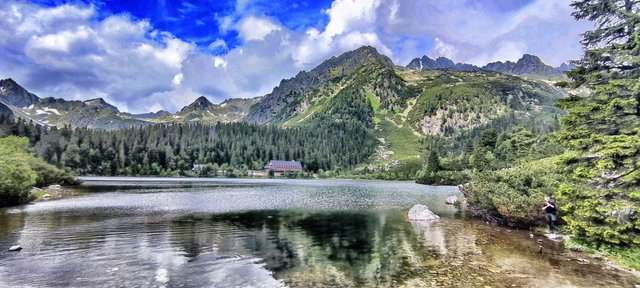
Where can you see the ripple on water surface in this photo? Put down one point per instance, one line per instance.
(269, 233)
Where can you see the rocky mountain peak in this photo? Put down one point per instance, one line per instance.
(528, 59)
(14, 94)
(202, 103)
(426, 63)
(445, 62)
(100, 103)
(348, 61)
(528, 65)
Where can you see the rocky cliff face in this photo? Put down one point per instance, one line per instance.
(5, 110)
(13, 94)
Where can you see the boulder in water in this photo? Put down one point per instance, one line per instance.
(15, 248)
(420, 212)
(451, 200)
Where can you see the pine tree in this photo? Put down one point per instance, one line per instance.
(602, 130)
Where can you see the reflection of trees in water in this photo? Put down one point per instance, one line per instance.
(10, 225)
(336, 248)
(448, 238)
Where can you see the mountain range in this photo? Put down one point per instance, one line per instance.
(400, 105)
(359, 88)
(529, 66)
(98, 114)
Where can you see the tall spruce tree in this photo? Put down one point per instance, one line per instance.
(602, 130)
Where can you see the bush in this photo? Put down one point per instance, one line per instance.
(47, 174)
(601, 215)
(515, 195)
(443, 177)
(17, 177)
(21, 171)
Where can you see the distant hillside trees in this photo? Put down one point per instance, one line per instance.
(172, 149)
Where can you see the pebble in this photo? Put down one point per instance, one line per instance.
(15, 248)
(583, 261)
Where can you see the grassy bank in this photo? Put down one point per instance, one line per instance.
(625, 257)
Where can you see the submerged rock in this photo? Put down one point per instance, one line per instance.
(421, 212)
(15, 248)
(54, 187)
(451, 200)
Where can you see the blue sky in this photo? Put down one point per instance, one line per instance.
(150, 55)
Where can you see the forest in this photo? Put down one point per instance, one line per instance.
(172, 149)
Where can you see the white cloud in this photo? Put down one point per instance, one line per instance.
(219, 62)
(67, 51)
(256, 28)
(177, 79)
(349, 15)
(60, 42)
(218, 44)
(444, 49)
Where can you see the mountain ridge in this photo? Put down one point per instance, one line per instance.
(358, 76)
(527, 66)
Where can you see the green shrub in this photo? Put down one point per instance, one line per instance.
(602, 216)
(47, 174)
(443, 177)
(17, 177)
(514, 195)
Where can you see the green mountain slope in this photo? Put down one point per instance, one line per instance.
(403, 108)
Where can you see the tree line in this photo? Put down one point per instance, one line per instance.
(171, 149)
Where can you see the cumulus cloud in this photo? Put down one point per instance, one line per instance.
(479, 32)
(69, 51)
(256, 28)
(65, 52)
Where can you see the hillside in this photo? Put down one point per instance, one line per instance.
(405, 106)
(99, 114)
(321, 90)
(361, 93)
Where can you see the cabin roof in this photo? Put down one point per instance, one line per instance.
(281, 164)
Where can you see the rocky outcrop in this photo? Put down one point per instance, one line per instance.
(421, 212)
(5, 110)
(12, 93)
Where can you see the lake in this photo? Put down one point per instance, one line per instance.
(168, 232)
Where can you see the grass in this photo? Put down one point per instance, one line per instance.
(402, 141)
(627, 257)
(318, 105)
(375, 105)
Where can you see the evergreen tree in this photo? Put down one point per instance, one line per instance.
(602, 130)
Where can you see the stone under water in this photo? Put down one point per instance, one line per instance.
(421, 212)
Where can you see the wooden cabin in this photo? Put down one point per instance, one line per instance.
(280, 167)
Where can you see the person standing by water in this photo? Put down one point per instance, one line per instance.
(550, 211)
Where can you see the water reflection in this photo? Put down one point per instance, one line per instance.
(329, 234)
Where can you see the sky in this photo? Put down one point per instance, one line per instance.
(144, 56)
